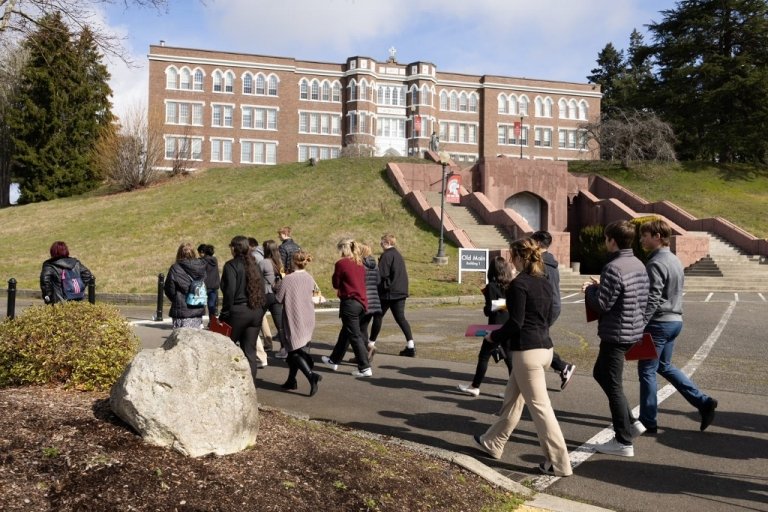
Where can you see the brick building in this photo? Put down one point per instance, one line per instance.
(222, 108)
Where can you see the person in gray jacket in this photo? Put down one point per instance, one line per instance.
(619, 297)
(664, 318)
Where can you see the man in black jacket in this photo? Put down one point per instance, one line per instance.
(544, 240)
(287, 248)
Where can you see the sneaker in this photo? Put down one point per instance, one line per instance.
(547, 468)
(261, 365)
(614, 447)
(638, 428)
(707, 414)
(282, 354)
(408, 352)
(467, 389)
(330, 364)
(365, 373)
(565, 375)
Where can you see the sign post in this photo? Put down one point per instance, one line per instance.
(473, 260)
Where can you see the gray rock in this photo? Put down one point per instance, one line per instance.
(195, 394)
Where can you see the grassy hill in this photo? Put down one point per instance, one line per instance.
(127, 239)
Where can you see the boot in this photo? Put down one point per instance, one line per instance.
(291, 383)
(308, 358)
(311, 376)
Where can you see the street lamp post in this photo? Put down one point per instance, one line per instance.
(441, 258)
(521, 136)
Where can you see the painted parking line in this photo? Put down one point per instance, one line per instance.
(708, 297)
(762, 297)
(585, 451)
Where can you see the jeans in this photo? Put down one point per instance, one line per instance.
(664, 335)
(608, 371)
(398, 311)
(213, 300)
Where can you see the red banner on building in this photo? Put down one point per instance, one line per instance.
(452, 186)
(518, 129)
(417, 123)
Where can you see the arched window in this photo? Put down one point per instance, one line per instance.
(548, 107)
(426, 95)
(315, 90)
(186, 80)
(414, 95)
(402, 95)
(272, 85)
(572, 109)
(218, 81)
(171, 77)
(303, 89)
(362, 94)
(538, 107)
(326, 94)
(512, 104)
(352, 90)
(463, 106)
(473, 102)
(502, 104)
(247, 84)
(261, 86)
(583, 110)
(562, 108)
(454, 101)
(523, 106)
(336, 93)
(387, 95)
(443, 100)
(229, 82)
(198, 84)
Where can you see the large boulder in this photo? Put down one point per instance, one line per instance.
(195, 394)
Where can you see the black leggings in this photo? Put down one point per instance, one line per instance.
(398, 311)
(246, 325)
(482, 362)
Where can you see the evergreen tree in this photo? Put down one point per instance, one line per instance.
(608, 75)
(712, 77)
(61, 104)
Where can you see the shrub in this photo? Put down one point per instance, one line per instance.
(75, 344)
(592, 252)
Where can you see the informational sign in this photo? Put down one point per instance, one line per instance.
(452, 186)
(473, 260)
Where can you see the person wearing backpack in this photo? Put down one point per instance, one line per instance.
(63, 277)
(185, 288)
(212, 276)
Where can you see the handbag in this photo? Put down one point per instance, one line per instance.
(642, 350)
(215, 325)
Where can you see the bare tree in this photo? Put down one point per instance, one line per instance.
(633, 136)
(19, 18)
(129, 155)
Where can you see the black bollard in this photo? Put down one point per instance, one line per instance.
(11, 312)
(159, 313)
(92, 290)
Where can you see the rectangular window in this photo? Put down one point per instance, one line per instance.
(335, 125)
(363, 123)
(246, 149)
(314, 119)
(228, 116)
(502, 135)
(324, 124)
(216, 116)
(352, 123)
(226, 150)
(197, 149)
(247, 117)
(170, 148)
(197, 114)
(271, 153)
(216, 150)
(258, 118)
(561, 138)
(546, 140)
(183, 113)
(258, 152)
(170, 113)
(303, 154)
(303, 124)
(272, 119)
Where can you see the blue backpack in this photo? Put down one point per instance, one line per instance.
(197, 294)
(72, 284)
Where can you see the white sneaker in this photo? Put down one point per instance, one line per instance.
(565, 375)
(282, 354)
(638, 428)
(467, 389)
(614, 447)
(330, 364)
(365, 373)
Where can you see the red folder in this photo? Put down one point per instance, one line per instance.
(643, 349)
(220, 327)
(480, 329)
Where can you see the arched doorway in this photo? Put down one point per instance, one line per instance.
(529, 206)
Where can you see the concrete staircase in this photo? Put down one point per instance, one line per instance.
(737, 271)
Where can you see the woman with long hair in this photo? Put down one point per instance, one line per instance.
(242, 287)
(499, 276)
(349, 281)
(298, 321)
(272, 270)
(529, 301)
(186, 269)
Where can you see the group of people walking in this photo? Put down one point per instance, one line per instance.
(630, 299)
